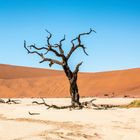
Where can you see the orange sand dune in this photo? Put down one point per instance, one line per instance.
(18, 81)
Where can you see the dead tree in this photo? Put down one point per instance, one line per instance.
(59, 52)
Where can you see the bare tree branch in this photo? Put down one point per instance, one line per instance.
(77, 68)
(82, 34)
(49, 37)
(79, 45)
(52, 61)
(10, 101)
(50, 46)
(32, 52)
(86, 104)
(30, 113)
(2, 101)
(60, 45)
(51, 106)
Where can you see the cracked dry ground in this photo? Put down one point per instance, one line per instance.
(31, 129)
(47, 130)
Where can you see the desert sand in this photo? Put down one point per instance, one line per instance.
(86, 124)
(21, 82)
(29, 84)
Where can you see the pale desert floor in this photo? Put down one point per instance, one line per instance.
(85, 124)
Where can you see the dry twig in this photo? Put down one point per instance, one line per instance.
(30, 113)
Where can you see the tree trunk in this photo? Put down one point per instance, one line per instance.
(74, 93)
(72, 77)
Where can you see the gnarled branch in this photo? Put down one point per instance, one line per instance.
(10, 101)
(51, 106)
(52, 61)
(50, 46)
(60, 45)
(79, 45)
(86, 104)
(33, 113)
(2, 101)
(48, 37)
(77, 68)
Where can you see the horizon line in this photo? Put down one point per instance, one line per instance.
(62, 70)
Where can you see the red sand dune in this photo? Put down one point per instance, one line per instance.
(18, 81)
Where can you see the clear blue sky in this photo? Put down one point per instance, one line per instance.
(115, 46)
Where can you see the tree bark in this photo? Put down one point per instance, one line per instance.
(74, 93)
(72, 77)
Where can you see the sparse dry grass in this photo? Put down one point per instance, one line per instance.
(135, 103)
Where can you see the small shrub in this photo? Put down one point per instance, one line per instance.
(135, 103)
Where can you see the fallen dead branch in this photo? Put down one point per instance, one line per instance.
(2, 101)
(86, 104)
(30, 113)
(10, 101)
(51, 106)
